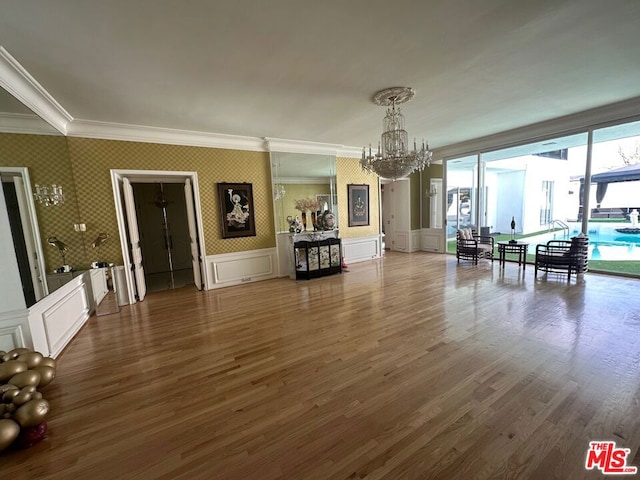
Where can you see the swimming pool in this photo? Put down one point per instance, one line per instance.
(604, 242)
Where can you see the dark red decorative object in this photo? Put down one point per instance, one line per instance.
(31, 435)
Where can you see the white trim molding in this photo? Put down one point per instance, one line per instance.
(350, 152)
(25, 123)
(299, 146)
(360, 249)
(170, 136)
(19, 83)
(227, 269)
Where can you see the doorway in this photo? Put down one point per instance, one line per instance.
(396, 214)
(164, 189)
(15, 187)
(164, 235)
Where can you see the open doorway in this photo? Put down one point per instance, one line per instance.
(159, 232)
(164, 235)
(15, 187)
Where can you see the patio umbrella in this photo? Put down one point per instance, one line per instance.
(628, 173)
(601, 191)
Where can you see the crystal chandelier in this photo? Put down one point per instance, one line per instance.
(49, 195)
(394, 160)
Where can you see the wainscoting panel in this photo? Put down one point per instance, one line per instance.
(12, 330)
(360, 249)
(432, 240)
(55, 319)
(414, 246)
(242, 267)
(401, 241)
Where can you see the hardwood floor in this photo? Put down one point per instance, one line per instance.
(408, 367)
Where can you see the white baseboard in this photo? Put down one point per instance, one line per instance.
(242, 267)
(360, 249)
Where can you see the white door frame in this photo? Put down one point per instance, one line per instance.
(152, 176)
(39, 277)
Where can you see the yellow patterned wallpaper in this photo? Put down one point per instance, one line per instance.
(348, 171)
(82, 166)
(48, 162)
(93, 158)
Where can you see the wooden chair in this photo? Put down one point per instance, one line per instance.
(470, 246)
(559, 256)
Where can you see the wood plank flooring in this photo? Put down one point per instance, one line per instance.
(402, 368)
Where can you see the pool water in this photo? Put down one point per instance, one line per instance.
(604, 242)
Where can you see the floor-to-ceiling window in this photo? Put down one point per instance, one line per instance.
(541, 185)
(462, 180)
(614, 233)
(534, 185)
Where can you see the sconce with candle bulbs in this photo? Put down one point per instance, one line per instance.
(49, 195)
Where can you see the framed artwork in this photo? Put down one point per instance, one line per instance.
(358, 196)
(236, 210)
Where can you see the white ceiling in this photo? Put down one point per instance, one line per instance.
(307, 70)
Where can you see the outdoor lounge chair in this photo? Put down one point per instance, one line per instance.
(470, 246)
(559, 256)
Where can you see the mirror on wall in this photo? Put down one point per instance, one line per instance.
(298, 177)
(33, 152)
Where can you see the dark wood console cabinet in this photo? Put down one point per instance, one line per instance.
(315, 259)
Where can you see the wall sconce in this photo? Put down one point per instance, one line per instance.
(49, 195)
(278, 191)
(432, 192)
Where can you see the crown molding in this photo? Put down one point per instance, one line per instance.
(350, 152)
(19, 83)
(300, 146)
(614, 113)
(302, 180)
(139, 133)
(25, 123)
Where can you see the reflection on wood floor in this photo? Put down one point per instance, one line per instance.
(407, 367)
(157, 282)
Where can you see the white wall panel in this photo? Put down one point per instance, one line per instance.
(55, 319)
(12, 331)
(432, 240)
(360, 249)
(242, 267)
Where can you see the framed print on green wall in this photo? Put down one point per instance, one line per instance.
(358, 196)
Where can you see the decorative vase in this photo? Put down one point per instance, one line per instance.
(304, 221)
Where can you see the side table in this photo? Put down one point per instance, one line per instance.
(519, 248)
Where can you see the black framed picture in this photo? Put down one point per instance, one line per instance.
(236, 210)
(358, 196)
